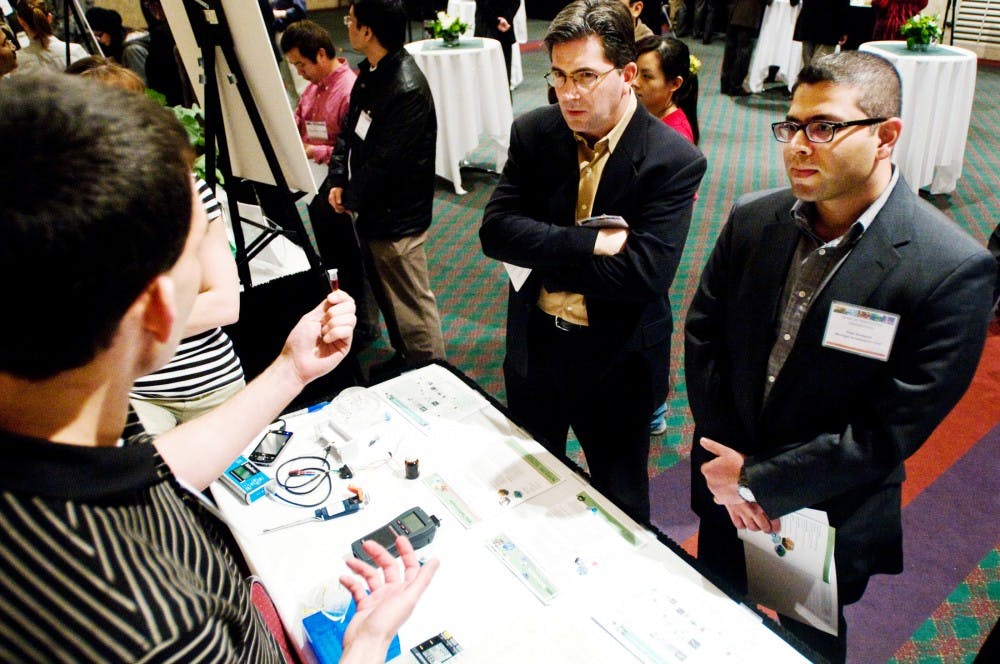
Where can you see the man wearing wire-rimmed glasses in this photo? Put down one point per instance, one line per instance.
(588, 331)
(836, 323)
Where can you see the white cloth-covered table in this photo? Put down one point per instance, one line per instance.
(775, 46)
(466, 11)
(471, 98)
(938, 88)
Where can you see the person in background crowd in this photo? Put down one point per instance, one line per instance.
(890, 15)
(286, 12)
(821, 27)
(495, 20)
(162, 70)
(707, 13)
(8, 48)
(383, 169)
(635, 9)
(126, 46)
(741, 35)
(835, 324)
(666, 86)
(44, 50)
(589, 329)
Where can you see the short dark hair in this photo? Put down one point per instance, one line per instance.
(874, 76)
(308, 37)
(97, 202)
(386, 18)
(607, 19)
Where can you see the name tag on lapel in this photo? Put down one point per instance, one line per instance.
(862, 331)
(364, 122)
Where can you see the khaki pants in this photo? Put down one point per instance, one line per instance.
(403, 293)
(159, 415)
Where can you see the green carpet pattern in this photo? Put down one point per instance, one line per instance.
(957, 628)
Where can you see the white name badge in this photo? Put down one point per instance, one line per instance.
(865, 332)
(364, 122)
(316, 130)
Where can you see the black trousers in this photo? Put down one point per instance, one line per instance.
(606, 394)
(736, 57)
(721, 551)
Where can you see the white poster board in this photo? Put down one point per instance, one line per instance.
(256, 58)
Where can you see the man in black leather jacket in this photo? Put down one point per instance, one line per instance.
(388, 140)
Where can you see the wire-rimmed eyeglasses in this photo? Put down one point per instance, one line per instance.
(817, 131)
(584, 80)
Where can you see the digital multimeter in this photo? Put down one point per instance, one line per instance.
(246, 480)
(414, 523)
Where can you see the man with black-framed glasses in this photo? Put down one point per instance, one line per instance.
(836, 323)
(588, 331)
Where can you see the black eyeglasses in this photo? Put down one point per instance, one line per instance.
(817, 131)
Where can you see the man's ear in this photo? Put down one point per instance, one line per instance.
(629, 72)
(636, 9)
(888, 133)
(158, 308)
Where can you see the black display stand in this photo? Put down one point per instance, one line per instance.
(211, 32)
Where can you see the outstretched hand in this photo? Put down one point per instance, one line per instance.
(385, 597)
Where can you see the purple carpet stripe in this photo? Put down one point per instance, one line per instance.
(947, 530)
(670, 502)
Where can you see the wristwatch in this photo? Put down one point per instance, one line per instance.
(743, 488)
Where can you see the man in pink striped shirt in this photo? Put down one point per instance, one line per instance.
(309, 49)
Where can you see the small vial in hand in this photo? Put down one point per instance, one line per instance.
(334, 281)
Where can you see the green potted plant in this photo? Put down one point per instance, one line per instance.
(921, 31)
(448, 28)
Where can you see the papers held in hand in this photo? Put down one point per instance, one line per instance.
(604, 221)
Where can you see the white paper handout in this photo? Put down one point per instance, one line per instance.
(793, 571)
(433, 391)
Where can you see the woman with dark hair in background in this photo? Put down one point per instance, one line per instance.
(666, 84)
(126, 46)
(45, 50)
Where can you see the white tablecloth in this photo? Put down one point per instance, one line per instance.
(466, 11)
(775, 46)
(469, 84)
(938, 88)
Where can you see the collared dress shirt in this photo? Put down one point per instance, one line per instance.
(325, 102)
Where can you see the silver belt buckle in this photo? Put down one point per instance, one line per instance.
(563, 325)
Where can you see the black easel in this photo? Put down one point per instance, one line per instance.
(211, 31)
(950, 7)
(81, 22)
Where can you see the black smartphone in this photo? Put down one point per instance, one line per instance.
(270, 447)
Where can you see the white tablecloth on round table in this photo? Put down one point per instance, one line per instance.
(466, 11)
(775, 46)
(938, 88)
(469, 85)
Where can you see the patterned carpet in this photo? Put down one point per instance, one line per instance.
(948, 625)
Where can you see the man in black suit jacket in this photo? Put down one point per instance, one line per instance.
(495, 19)
(588, 333)
(836, 324)
(821, 27)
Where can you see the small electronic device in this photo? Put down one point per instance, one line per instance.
(270, 447)
(414, 523)
(246, 480)
(436, 649)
